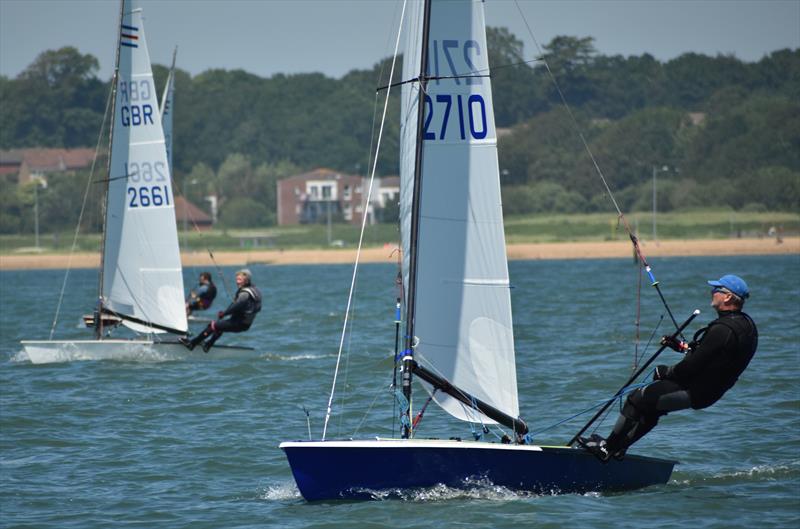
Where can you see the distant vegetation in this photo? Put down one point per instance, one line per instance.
(717, 132)
(519, 229)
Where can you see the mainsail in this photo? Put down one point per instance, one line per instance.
(142, 274)
(167, 101)
(462, 302)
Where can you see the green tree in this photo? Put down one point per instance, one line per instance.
(244, 213)
(56, 101)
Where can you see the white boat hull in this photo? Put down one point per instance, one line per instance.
(51, 351)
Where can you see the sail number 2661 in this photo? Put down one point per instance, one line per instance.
(142, 194)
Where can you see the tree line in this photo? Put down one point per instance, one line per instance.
(707, 127)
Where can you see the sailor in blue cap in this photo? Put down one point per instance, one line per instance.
(715, 358)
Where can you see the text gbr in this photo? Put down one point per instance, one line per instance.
(148, 184)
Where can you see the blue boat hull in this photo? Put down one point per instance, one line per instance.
(325, 470)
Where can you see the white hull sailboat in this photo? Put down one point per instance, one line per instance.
(459, 335)
(141, 277)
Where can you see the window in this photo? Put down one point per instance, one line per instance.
(347, 193)
(348, 212)
(327, 192)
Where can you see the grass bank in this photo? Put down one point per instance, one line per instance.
(519, 230)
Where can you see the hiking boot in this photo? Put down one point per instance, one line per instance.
(596, 446)
(189, 344)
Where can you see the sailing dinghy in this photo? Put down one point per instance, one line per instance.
(141, 277)
(457, 296)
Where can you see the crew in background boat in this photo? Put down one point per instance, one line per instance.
(715, 358)
(241, 313)
(202, 296)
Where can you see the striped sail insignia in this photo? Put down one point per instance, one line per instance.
(142, 273)
(129, 36)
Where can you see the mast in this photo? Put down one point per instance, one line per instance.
(408, 358)
(98, 320)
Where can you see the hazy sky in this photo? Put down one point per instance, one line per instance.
(335, 36)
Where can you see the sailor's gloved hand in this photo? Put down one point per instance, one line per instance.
(220, 314)
(674, 344)
(661, 373)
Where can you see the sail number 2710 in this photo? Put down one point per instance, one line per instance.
(473, 109)
(146, 190)
(455, 63)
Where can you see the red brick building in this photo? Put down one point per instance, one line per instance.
(33, 164)
(311, 197)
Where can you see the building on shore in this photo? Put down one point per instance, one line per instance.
(324, 195)
(39, 163)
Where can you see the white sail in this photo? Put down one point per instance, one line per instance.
(167, 102)
(142, 275)
(463, 306)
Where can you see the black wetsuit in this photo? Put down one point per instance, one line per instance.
(205, 292)
(242, 312)
(718, 355)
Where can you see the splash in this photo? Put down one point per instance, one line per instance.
(472, 489)
(280, 492)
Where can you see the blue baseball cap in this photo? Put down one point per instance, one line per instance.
(733, 283)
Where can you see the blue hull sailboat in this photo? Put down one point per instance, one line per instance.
(459, 343)
(325, 470)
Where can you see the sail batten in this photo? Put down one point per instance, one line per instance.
(142, 277)
(462, 313)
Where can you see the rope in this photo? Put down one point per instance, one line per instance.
(80, 215)
(363, 227)
(196, 228)
(619, 395)
(366, 413)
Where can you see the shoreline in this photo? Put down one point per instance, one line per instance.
(518, 251)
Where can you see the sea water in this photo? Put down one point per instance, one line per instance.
(194, 444)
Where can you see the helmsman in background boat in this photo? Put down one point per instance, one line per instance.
(715, 358)
(202, 296)
(240, 314)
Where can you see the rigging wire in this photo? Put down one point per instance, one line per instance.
(637, 323)
(370, 154)
(196, 227)
(89, 183)
(620, 215)
(363, 227)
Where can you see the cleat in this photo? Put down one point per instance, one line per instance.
(186, 342)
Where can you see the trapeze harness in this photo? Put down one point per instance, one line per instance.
(719, 353)
(242, 313)
(207, 295)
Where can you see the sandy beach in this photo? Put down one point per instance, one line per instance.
(559, 250)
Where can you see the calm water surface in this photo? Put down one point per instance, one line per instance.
(91, 444)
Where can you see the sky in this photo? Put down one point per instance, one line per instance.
(266, 37)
